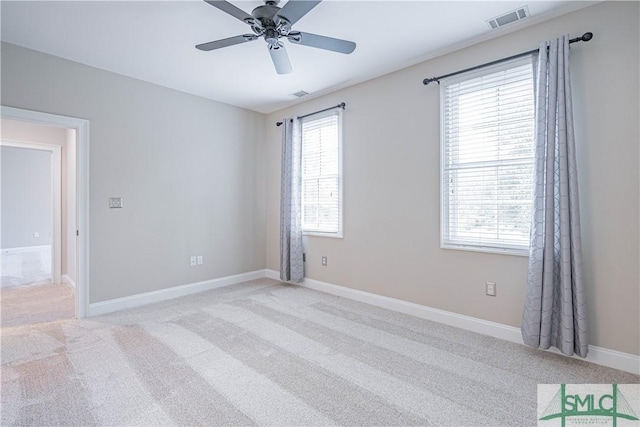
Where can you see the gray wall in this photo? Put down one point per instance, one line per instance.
(188, 169)
(26, 197)
(391, 188)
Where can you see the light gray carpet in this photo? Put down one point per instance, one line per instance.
(36, 303)
(267, 353)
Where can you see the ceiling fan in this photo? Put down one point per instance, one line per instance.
(273, 23)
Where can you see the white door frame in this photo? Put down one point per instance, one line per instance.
(82, 194)
(56, 198)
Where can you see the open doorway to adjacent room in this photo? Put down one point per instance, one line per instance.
(38, 257)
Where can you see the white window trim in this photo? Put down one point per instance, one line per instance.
(339, 234)
(462, 246)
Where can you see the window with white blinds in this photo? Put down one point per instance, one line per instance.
(322, 174)
(487, 158)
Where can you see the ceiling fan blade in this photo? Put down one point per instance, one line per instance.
(296, 9)
(226, 42)
(280, 58)
(232, 10)
(322, 42)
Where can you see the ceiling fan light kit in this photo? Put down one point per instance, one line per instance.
(274, 23)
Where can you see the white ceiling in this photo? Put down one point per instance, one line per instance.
(154, 41)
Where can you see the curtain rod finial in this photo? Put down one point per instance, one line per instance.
(587, 36)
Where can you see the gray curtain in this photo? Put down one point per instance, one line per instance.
(291, 262)
(555, 312)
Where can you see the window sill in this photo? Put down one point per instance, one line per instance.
(320, 234)
(488, 250)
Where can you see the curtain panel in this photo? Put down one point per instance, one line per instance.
(291, 252)
(555, 312)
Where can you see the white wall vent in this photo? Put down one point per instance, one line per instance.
(509, 17)
(300, 94)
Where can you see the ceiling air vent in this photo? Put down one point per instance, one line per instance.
(300, 94)
(509, 17)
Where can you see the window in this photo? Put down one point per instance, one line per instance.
(322, 174)
(487, 158)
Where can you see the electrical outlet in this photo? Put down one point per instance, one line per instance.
(192, 261)
(36, 234)
(324, 261)
(490, 289)
(115, 202)
(200, 260)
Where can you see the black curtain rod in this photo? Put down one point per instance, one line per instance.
(341, 105)
(585, 38)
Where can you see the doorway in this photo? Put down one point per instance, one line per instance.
(36, 162)
(70, 239)
(31, 205)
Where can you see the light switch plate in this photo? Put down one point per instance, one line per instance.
(115, 202)
(490, 289)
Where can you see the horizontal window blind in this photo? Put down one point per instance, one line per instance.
(487, 157)
(321, 173)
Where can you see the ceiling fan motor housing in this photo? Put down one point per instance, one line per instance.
(268, 23)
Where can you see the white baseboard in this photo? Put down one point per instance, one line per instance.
(68, 280)
(104, 307)
(598, 355)
(272, 274)
(25, 249)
